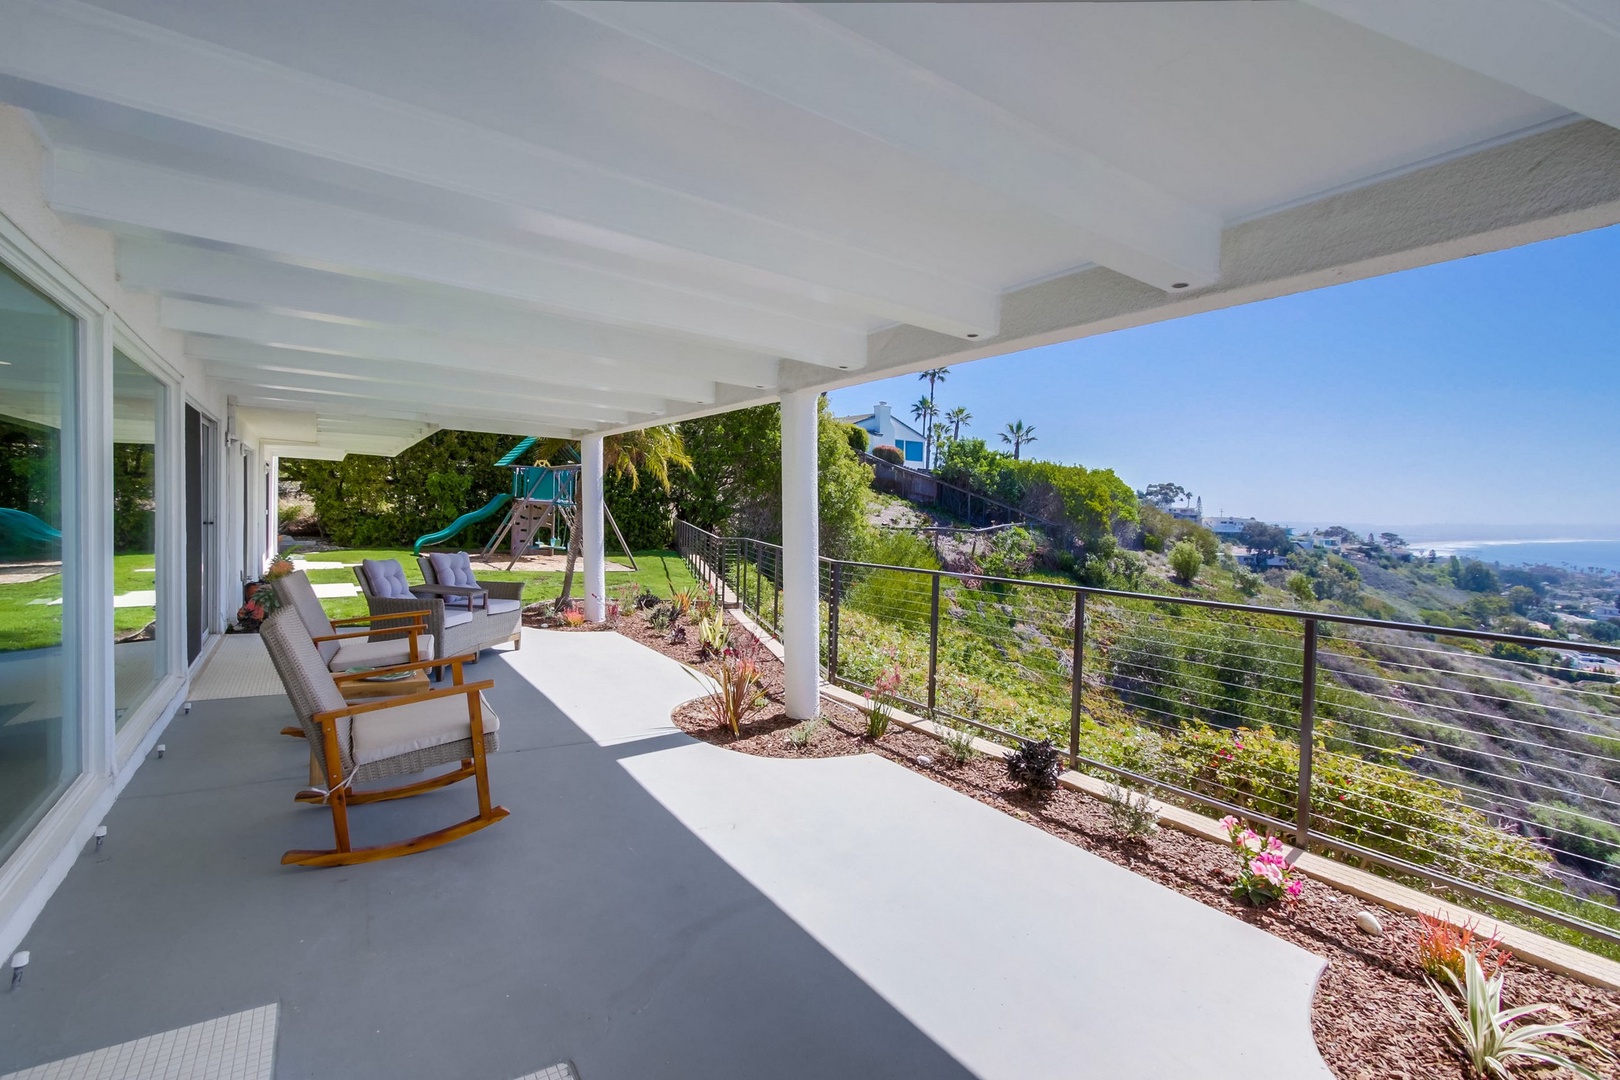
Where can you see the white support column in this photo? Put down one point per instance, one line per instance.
(590, 527)
(801, 544)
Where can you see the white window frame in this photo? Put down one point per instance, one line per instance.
(169, 544)
(44, 855)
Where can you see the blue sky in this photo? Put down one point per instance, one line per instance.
(1481, 391)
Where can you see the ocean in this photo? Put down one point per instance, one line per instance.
(1577, 553)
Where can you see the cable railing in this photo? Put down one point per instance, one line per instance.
(1433, 754)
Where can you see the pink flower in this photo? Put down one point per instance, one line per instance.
(1270, 871)
(1274, 845)
(1229, 823)
(1294, 888)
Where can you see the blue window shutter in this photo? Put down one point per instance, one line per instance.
(913, 451)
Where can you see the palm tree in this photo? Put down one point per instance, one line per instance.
(958, 418)
(653, 452)
(922, 411)
(1017, 434)
(934, 377)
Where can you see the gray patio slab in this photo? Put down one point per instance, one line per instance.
(653, 907)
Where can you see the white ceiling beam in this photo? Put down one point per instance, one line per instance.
(788, 51)
(115, 193)
(188, 272)
(359, 373)
(209, 323)
(427, 397)
(442, 413)
(88, 51)
(258, 397)
(1565, 51)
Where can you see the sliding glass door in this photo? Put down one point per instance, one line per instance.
(39, 735)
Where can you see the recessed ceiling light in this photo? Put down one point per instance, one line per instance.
(1179, 285)
(973, 335)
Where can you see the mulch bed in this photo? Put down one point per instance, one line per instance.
(1373, 1015)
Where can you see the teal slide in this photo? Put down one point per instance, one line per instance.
(488, 509)
(26, 527)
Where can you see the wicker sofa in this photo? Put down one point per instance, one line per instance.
(461, 626)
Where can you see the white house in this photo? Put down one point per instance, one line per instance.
(1227, 526)
(888, 429)
(1318, 539)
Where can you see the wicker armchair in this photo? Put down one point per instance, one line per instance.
(404, 639)
(354, 742)
(461, 629)
(502, 603)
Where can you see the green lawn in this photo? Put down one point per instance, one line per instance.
(657, 571)
(34, 626)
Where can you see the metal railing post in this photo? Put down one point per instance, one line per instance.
(1307, 724)
(776, 590)
(759, 558)
(1077, 687)
(933, 648)
(832, 624)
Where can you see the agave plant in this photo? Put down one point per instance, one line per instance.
(713, 634)
(1491, 1036)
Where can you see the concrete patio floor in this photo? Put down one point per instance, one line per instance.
(654, 907)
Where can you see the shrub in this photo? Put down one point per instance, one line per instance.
(1492, 1037)
(680, 600)
(1186, 561)
(1264, 876)
(1442, 948)
(898, 595)
(1575, 836)
(881, 701)
(891, 454)
(860, 440)
(1131, 813)
(1300, 586)
(1035, 766)
(959, 743)
(738, 695)
(802, 735)
(1011, 554)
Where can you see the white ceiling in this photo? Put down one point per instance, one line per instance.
(550, 218)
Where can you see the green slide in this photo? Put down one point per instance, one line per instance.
(488, 509)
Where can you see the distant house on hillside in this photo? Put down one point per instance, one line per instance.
(887, 429)
(1227, 526)
(1191, 512)
(1316, 538)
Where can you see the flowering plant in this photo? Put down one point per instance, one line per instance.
(882, 699)
(1264, 876)
(739, 692)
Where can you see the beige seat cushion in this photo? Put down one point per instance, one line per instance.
(500, 607)
(361, 653)
(405, 729)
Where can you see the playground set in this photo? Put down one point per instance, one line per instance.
(541, 511)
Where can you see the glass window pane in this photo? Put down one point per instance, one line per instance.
(138, 661)
(39, 748)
